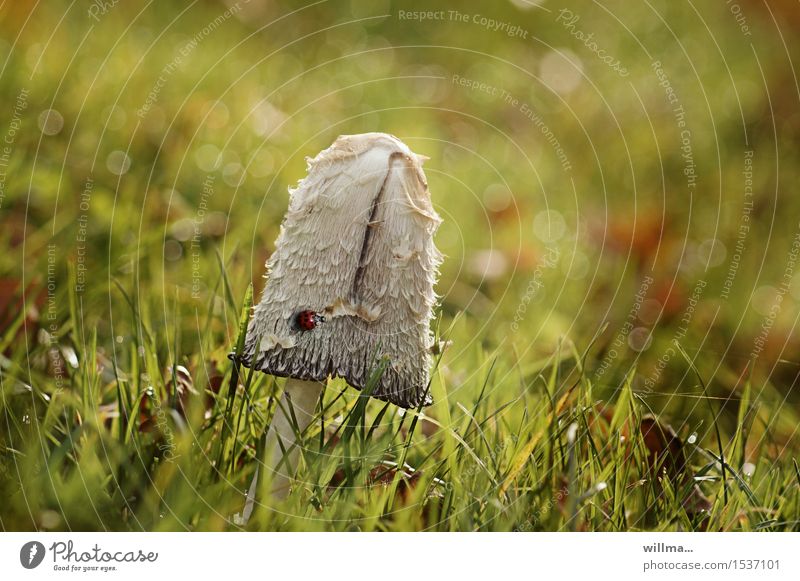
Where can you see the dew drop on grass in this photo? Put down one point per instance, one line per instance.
(70, 355)
(497, 198)
(576, 267)
(173, 251)
(572, 432)
(182, 229)
(118, 162)
(233, 174)
(49, 519)
(561, 70)
(216, 114)
(763, 299)
(692, 439)
(207, 157)
(640, 339)
(711, 252)
(488, 264)
(50, 122)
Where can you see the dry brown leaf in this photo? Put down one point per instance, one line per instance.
(666, 458)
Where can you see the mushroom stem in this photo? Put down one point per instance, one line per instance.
(299, 397)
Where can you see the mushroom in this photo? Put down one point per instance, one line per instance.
(350, 282)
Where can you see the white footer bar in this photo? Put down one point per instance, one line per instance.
(401, 555)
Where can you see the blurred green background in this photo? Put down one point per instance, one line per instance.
(618, 177)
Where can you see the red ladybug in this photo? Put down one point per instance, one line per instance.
(308, 320)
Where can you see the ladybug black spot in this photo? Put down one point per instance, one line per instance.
(308, 320)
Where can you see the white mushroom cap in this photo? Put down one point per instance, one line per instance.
(356, 246)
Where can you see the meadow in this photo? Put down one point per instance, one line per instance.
(619, 299)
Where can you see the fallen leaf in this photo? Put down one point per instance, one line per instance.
(666, 458)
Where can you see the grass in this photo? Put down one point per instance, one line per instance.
(520, 447)
(135, 244)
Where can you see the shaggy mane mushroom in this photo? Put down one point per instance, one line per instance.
(351, 281)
